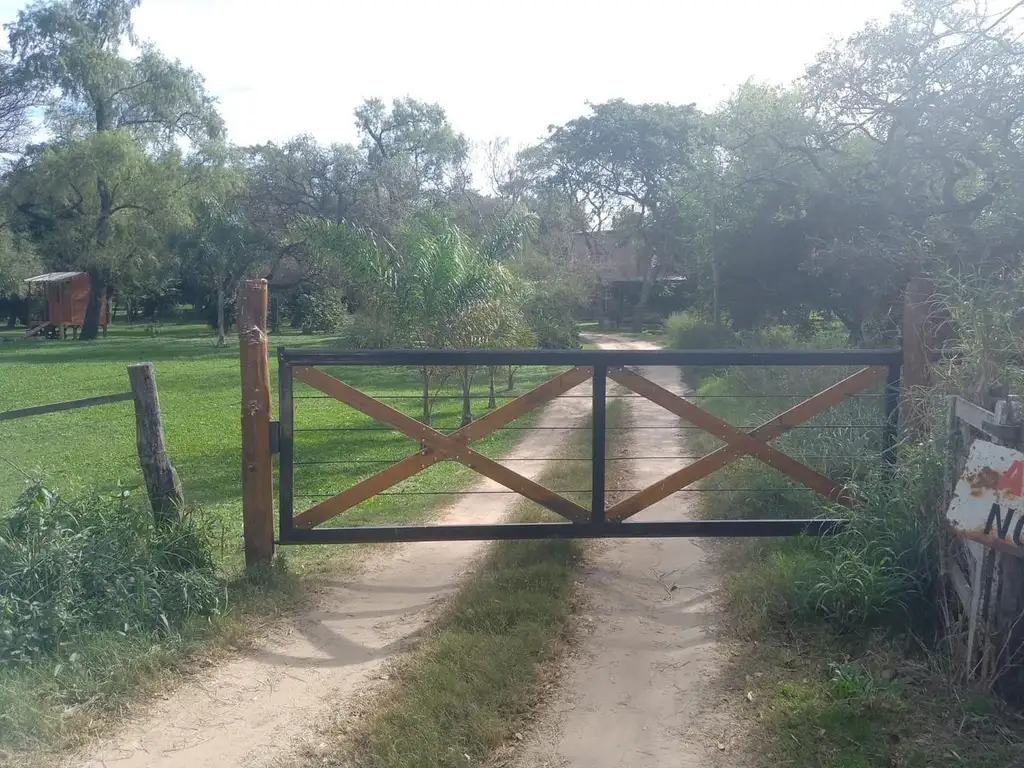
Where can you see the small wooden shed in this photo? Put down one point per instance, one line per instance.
(67, 297)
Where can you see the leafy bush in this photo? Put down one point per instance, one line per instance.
(320, 310)
(880, 572)
(368, 330)
(552, 321)
(69, 570)
(690, 330)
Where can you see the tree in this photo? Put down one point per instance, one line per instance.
(61, 209)
(104, 109)
(430, 286)
(630, 162)
(413, 156)
(220, 249)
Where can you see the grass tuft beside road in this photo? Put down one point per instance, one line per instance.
(834, 660)
(474, 680)
(57, 695)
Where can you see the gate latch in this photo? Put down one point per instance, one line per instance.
(275, 437)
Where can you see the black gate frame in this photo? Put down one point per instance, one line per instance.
(601, 361)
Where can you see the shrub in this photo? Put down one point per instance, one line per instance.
(881, 571)
(550, 314)
(320, 310)
(69, 570)
(368, 330)
(690, 330)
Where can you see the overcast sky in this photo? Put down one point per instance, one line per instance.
(510, 69)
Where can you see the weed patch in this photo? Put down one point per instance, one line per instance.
(832, 658)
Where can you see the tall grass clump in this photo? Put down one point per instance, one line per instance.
(90, 591)
(882, 571)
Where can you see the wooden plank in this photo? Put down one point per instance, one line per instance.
(86, 402)
(411, 465)
(525, 403)
(366, 489)
(974, 415)
(710, 423)
(821, 402)
(257, 474)
(443, 444)
(771, 429)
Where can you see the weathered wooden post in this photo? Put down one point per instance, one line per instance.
(918, 334)
(257, 480)
(166, 496)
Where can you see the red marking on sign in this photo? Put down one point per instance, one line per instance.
(1013, 479)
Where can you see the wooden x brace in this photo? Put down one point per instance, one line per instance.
(754, 443)
(437, 446)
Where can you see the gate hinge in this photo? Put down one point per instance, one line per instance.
(275, 437)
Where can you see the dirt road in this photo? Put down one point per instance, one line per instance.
(633, 694)
(629, 699)
(266, 704)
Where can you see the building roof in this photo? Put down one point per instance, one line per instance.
(53, 277)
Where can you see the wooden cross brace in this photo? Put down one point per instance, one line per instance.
(437, 446)
(739, 443)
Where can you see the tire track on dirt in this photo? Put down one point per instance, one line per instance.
(267, 704)
(635, 692)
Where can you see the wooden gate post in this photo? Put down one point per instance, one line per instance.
(166, 496)
(257, 480)
(918, 334)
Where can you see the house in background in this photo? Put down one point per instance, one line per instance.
(617, 260)
(67, 298)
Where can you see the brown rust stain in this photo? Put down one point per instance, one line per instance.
(985, 479)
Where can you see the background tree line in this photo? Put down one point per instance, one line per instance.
(897, 153)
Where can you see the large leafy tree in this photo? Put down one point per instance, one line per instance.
(62, 209)
(117, 124)
(898, 153)
(219, 249)
(413, 155)
(630, 165)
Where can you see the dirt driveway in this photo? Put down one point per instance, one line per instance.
(267, 704)
(635, 692)
(632, 694)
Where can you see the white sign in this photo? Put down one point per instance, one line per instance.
(988, 504)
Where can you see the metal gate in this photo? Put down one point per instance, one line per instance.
(598, 519)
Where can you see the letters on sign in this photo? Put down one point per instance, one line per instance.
(988, 505)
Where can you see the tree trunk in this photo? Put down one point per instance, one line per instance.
(511, 377)
(275, 314)
(491, 404)
(645, 294)
(467, 404)
(426, 395)
(97, 285)
(91, 324)
(220, 313)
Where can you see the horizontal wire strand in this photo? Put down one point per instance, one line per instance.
(608, 429)
(587, 490)
(557, 458)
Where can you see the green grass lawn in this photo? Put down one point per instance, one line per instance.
(57, 701)
(94, 448)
